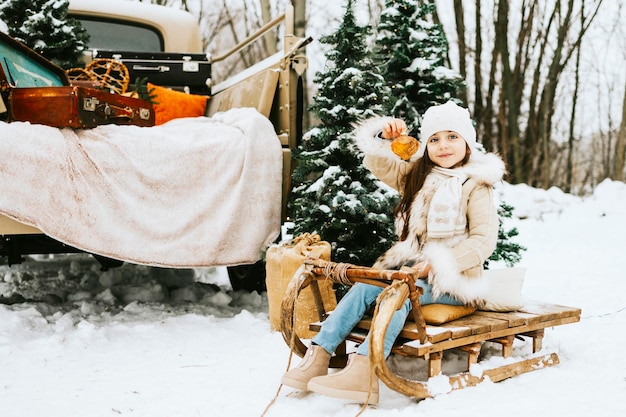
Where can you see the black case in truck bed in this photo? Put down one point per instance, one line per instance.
(181, 71)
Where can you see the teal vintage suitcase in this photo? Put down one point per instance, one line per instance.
(23, 67)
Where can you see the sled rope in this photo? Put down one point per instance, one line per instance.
(337, 272)
(271, 403)
(296, 290)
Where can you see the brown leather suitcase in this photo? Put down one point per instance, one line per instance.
(77, 107)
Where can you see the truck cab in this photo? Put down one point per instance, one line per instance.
(136, 26)
(273, 86)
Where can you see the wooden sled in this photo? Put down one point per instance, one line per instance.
(424, 341)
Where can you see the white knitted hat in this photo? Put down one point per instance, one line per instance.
(448, 116)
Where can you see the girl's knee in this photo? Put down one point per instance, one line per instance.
(365, 291)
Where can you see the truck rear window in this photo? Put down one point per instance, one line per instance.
(119, 35)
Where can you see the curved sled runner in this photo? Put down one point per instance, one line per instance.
(423, 341)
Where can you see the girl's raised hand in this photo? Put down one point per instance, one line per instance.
(394, 128)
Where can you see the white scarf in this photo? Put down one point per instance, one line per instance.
(445, 217)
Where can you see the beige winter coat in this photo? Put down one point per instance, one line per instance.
(456, 262)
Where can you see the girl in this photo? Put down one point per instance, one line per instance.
(447, 226)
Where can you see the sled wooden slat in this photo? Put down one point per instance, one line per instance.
(438, 333)
(552, 310)
(480, 324)
(514, 320)
(466, 334)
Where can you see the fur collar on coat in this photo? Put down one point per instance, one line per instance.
(456, 262)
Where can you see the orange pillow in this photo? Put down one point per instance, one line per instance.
(436, 314)
(171, 104)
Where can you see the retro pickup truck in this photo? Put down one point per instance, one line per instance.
(273, 87)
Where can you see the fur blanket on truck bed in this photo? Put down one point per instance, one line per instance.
(190, 193)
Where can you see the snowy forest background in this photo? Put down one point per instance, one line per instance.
(544, 80)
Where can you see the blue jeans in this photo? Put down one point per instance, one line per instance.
(356, 303)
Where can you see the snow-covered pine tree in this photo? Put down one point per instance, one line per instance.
(43, 25)
(506, 251)
(334, 194)
(410, 51)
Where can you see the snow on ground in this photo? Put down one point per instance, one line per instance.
(128, 344)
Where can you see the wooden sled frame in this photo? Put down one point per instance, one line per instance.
(420, 340)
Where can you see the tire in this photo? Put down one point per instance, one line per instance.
(248, 277)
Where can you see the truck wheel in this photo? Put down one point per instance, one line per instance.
(248, 277)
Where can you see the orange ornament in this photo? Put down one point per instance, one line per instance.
(405, 146)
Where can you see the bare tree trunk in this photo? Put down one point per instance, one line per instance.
(620, 146)
(569, 174)
(460, 34)
(479, 106)
(524, 49)
(525, 45)
(546, 105)
(533, 151)
(437, 21)
(488, 116)
(299, 10)
(604, 142)
(270, 40)
(562, 54)
(509, 110)
(233, 30)
(374, 9)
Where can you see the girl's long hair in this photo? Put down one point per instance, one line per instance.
(412, 183)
